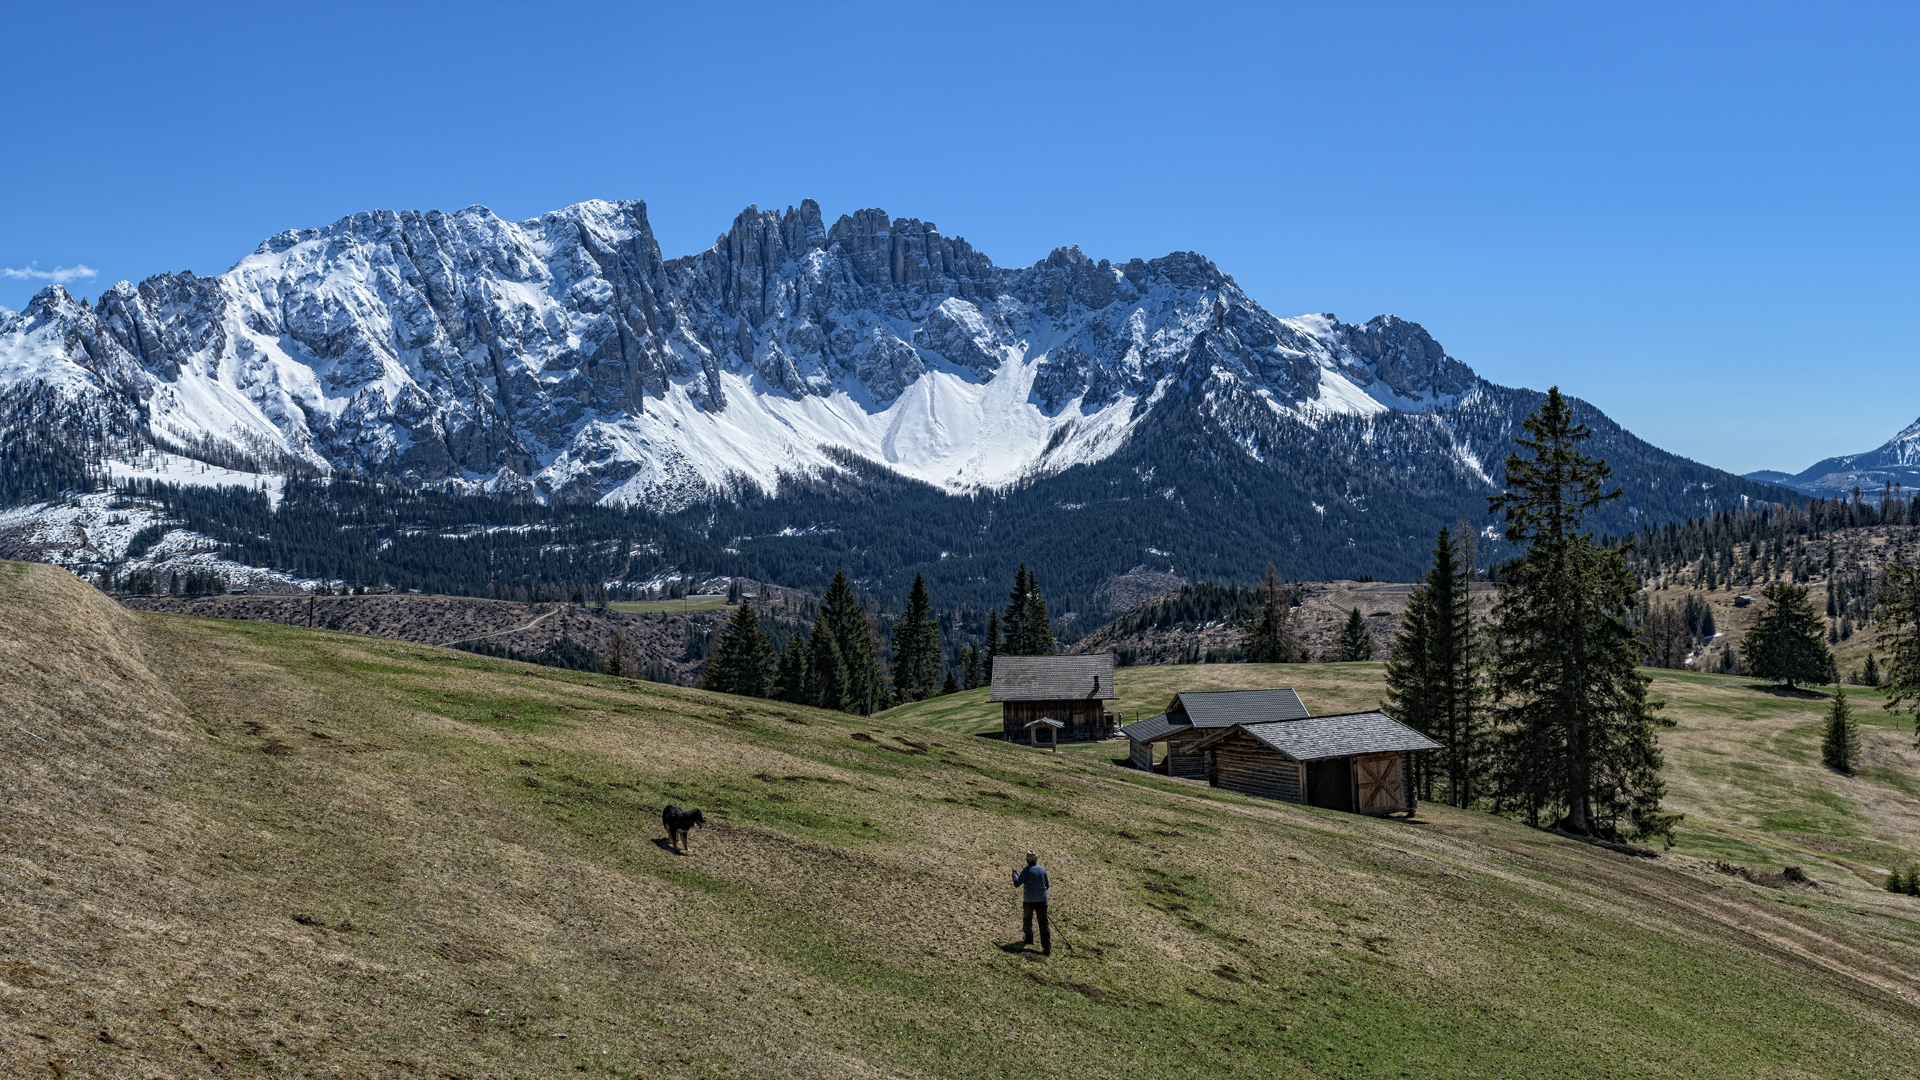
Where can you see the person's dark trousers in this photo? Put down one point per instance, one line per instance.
(1026, 922)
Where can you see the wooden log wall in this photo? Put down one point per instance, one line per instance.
(1245, 765)
(1142, 755)
(1183, 759)
(1085, 719)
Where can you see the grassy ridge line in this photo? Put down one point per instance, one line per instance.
(845, 914)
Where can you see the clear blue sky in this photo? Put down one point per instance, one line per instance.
(1702, 217)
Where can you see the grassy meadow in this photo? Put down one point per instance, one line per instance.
(670, 607)
(1743, 757)
(247, 849)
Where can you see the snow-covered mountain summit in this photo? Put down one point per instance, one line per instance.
(566, 351)
(1896, 461)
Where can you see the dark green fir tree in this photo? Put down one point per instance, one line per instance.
(1355, 641)
(1840, 742)
(1574, 730)
(742, 660)
(1787, 643)
(916, 646)
(1433, 674)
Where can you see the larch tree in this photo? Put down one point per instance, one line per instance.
(1574, 729)
(1899, 622)
(1267, 636)
(1787, 643)
(1433, 672)
(916, 646)
(1840, 742)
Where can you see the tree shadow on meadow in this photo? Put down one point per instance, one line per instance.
(1798, 693)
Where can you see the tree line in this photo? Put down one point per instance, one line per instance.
(845, 663)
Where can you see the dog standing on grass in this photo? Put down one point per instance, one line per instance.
(679, 824)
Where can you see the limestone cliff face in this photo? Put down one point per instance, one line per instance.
(565, 351)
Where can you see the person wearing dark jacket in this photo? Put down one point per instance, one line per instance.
(1034, 880)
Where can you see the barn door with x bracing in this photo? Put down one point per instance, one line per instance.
(1382, 786)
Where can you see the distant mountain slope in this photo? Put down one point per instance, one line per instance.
(1895, 461)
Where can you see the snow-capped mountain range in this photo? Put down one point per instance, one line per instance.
(1896, 461)
(566, 357)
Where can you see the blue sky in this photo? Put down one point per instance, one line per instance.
(1703, 218)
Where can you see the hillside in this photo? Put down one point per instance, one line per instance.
(668, 645)
(1742, 762)
(241, 848)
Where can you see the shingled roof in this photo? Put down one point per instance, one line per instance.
(1053, 678)
(1225, 708)
(1153, 727)
(1342, 735)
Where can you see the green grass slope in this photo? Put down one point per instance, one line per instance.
(237, 849)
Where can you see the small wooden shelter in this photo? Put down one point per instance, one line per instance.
(1194, 715)
(1046, 729)
(1359, 762)
(1072, 690)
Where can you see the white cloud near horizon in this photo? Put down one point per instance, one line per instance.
(59, 275)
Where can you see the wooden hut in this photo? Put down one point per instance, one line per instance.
(1073, 690)
(1194, 715)
(1359, 762)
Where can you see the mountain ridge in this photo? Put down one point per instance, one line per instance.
(869, 395)
(1896, 461)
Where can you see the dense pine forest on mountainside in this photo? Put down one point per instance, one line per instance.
(427, 540)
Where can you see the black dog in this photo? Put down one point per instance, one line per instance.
(678, 822)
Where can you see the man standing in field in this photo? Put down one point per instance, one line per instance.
(1034, 880)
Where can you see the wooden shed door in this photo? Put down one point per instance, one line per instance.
(1382, 786)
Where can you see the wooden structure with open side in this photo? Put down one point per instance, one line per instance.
(1194, 715)
(1359, 762)
(1073, 690)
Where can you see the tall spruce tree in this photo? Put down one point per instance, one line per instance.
(1037, 625)
(1899, 623)
(973, 672)
(856, 644)
(1027, 628)
(742, 659)
(916, 646)
(1433, 676)
(1013, 618)
(1575, 729)
(827, 679)
(1356, 641)
(1267, 635)
(1787, 643)
(1840, 742)
(995, 644)
(790, 678)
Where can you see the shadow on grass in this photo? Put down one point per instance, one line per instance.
(666, 845)
(1798, 693)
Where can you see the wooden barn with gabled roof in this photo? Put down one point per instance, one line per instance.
(1360, 762)
(1195, 714)
(1073, 690)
